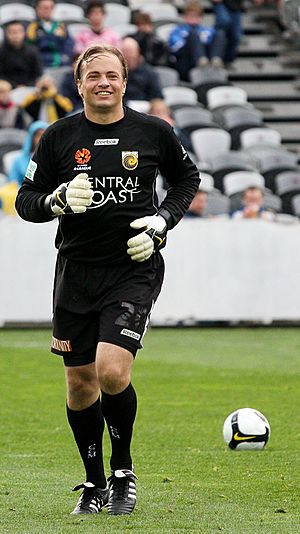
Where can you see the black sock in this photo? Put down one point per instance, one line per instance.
(119, 412)
(88, 426)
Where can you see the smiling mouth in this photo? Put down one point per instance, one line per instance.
(103, 93)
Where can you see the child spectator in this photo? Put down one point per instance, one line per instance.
(20, 163)
(252, 200)
(50, 36)
(97, 32)
(20, 63)
(193, 44)
(154, 50)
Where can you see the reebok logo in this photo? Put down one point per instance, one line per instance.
(100, 142)
(130, 333)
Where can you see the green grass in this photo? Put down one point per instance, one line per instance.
(187, 382)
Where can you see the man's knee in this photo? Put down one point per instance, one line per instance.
(82, 386)
(114, 368)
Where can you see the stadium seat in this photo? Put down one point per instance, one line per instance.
(272, 202)
(199, 76)
(8, 159)
(179, 95)
(163, 31)
(228, 162)
(168, 77)
(287, 186)
(66, 12)
(238, 181)
(217, 204)
(162, 12)
(18, 94)
(190, 119)
(296, 205)
(116, 14)
(209, 142)
(260, 136)
(225, 95)
(16, 11)
(125, 29)
(271, 161)
(142, 106)
(236, 119)
(207, 182)
(76, 27)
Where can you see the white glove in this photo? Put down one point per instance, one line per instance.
(153, 238)
(72, 197)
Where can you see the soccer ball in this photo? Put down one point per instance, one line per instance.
(246, 429)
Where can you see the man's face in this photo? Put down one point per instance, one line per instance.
(44, 9)
(199, 202)
(131, 51)
(253, 197)
(102, 85)
(15, 34)
(192, 17)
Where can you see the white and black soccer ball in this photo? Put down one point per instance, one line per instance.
(246, 429)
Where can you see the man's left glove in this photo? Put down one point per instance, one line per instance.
(153, 237)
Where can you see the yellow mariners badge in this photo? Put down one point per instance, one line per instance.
(130, 160)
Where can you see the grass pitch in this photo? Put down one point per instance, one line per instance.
(187, 382)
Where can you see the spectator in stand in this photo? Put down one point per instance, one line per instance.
(228, 15)
(195, 45)
(45, 103)
(143, 82)
(20, 163)
(50, 36)
(20, 63)
(154, 50)
(198, 205)
(252, 208)
(97, 32)
(70, 90)
(159, 108)
(10, 114)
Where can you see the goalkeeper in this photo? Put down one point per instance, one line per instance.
(95, 173)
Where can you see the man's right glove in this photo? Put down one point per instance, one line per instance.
(71, 197)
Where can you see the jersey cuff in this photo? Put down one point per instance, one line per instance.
(167, 216)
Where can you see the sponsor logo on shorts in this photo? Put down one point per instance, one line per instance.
(130, 333)
(62, 345)
(99, 142)
(30, 171)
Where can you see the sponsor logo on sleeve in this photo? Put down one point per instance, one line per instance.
(130, 333)
(32, 166)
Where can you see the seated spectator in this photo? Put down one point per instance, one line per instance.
(143, 82)
(20, 63)
(198, 205)
(50, 36)
(70, 90)
(193, 44)
(20, 163)
(97, 32)
(154, 50)
(10, 114)
(252, 206)
(45, 103)
(160, 109)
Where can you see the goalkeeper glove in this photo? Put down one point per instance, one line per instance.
(153, 237)
(71, 197)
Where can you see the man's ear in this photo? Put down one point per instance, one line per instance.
(79, 88)
(124, 87)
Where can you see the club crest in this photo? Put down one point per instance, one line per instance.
(130, 160)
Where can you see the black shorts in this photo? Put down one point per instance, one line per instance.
(102, 303)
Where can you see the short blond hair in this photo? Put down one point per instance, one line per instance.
(97, 50)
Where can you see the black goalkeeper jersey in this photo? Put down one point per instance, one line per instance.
(122, 160)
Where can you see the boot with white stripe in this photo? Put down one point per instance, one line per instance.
(122, 492)
(92, 500)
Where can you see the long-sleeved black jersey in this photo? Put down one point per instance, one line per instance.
(122, 160)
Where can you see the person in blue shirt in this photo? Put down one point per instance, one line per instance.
(20, 163)
(193, 44)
